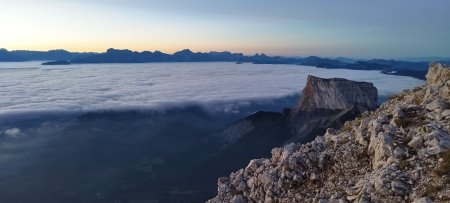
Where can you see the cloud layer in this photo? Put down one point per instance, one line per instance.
(26, 87)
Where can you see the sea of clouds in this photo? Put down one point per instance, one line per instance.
(30, 87)
(48, 129)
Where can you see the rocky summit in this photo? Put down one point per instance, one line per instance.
(397, 153)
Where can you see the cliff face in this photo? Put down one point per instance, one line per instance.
(337, 93)
(326, 103)
(398, 153)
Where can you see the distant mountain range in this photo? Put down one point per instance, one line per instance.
(26, 55)
(416, 69)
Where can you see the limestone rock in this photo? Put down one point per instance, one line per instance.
(438, 105)
(337, 93)
(438, 74)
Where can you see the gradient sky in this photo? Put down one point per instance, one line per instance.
(352, 28)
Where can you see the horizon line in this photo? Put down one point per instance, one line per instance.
(245, 54)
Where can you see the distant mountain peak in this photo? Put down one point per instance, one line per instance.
(184, 51)
(112, 50)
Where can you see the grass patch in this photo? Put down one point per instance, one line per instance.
(417, 88)
(402, 122)
(362, 155)
(444, 166)
(399, 96)
(404, 164)
(347, 127)
(413, 117)
(357, 122)
(431, 190)
(416, 100)
(390, 116)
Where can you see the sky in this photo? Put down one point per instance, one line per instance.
(350, 28)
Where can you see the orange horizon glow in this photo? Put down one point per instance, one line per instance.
(164, 49)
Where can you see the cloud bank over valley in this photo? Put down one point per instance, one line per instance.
(30, 87)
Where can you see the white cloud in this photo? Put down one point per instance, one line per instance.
(13, 132)
(28, 86)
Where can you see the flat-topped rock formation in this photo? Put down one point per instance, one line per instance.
(337, 93)
(326, 103)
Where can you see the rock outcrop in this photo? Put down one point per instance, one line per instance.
(326, 103)
(323, 103)
(398, 153)
(337, 93)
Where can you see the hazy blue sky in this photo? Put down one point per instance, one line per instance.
(382, 28)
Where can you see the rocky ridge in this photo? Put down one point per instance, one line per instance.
(397, 153)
